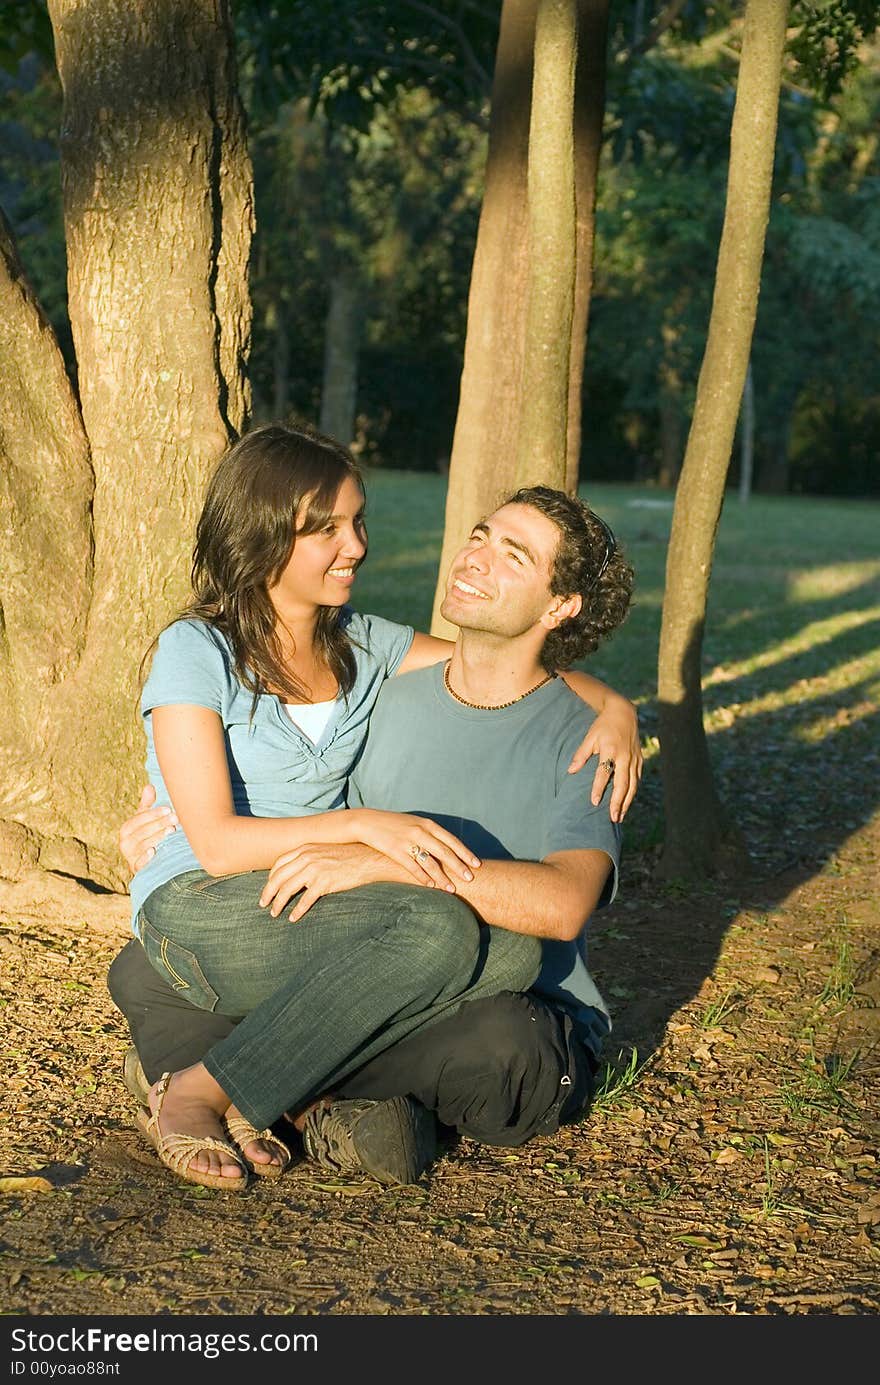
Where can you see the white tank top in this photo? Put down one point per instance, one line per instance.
(310, 717)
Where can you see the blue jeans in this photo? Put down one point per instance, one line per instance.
(320, 997)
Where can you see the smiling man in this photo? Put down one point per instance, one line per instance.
(482, 745)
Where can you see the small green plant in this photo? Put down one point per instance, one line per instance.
(615, 1081)
(771, 1201)
(839, 989)
(718, 1011)
(819, 1086)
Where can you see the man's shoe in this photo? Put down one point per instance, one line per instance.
(395, 1141)
(135, 1078)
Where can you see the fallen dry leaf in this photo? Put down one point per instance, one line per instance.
(26, 1185)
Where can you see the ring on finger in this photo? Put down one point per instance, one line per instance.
(607, 764)
(418, 854)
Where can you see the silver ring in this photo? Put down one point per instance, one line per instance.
(607, 764)
(418, 854)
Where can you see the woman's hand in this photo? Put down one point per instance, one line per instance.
(614, 737)
(140, 835)
(430, 854)
(313, 871)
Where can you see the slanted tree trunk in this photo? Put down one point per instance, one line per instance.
(700, 838)
(341, 346)
(102, 486)
(486, 442)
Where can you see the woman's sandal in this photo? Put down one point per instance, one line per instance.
(177, 1150)
(243, 1133)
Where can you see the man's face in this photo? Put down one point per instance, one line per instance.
(500, 580)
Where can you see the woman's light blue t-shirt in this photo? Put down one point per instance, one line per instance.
(275, 770)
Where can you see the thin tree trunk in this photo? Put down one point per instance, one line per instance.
(280, 364)
(670, 441)
(341, 347)
(747, 438)
(699, 836)
(589, 114)
(543, 428)
(158, 219)
(484, 447)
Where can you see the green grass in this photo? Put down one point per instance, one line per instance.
(616, 1080)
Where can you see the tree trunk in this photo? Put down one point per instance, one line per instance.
(158, 218)
(481, 467)
(280, 364)
(699, 837)
(543, 427)
(670, 440)
(589, 114)
(485, 447)
(747, 438)
(341, 344)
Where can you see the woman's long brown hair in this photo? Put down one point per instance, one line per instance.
(273, 483)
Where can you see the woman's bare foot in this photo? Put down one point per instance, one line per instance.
(194, 1105)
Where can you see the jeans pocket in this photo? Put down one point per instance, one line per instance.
(198, 884)
(178, 966)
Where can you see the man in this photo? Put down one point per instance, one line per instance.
(480, 745)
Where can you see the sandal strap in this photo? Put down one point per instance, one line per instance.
(177, 1150)
(243, 1133)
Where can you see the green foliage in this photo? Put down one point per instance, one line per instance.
(25, 30)
(367, 129)
(827, 38)
(346, 57)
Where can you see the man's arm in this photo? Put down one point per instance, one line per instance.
(552, 898)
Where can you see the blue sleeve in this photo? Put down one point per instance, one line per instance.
(387, 641)
(575, 824)
(190, 665)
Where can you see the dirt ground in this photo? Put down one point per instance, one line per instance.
(730, 1167)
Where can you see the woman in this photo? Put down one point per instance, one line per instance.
(256, 708)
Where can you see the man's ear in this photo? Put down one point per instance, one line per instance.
(563, 608)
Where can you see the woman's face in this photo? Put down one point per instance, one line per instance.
(320, 570)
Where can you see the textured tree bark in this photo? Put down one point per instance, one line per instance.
(486, 442)
(341, 344)
(158, 219)
(700, 838)
(543, 426)
(484, 445)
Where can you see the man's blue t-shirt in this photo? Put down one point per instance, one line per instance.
(496, 778)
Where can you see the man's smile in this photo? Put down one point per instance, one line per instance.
(461, 585)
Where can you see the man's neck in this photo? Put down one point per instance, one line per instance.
(489, 670)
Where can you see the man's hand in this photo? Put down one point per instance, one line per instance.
(614, 737)
(139, 835)
(320, 870)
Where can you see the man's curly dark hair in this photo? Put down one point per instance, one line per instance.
(589, 563)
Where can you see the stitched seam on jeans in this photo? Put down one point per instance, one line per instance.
(179, 982)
